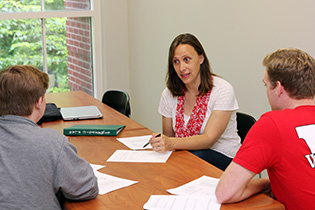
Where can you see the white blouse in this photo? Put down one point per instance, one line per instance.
(222, 98)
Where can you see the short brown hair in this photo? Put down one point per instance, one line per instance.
(20, 88)
(294, 69)
(173, 82)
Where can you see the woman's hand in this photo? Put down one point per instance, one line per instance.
(159, 143)
(215, 127)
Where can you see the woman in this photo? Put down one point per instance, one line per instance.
(198, 108)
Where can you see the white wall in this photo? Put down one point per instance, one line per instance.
(235, 34)
(115, 43)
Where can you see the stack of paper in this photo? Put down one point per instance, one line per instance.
(195, 195)
(175, 202)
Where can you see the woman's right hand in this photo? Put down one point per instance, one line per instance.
(159, 143)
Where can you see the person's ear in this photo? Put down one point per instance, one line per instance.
(201, 59)
(280, 88)
(39, 102)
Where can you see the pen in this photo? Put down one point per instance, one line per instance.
(149, 142)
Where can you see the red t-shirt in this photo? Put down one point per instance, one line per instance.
(283, 142)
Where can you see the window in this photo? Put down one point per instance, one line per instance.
(56, 36)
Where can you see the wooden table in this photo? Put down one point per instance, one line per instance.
(154, 178)
(79, 98)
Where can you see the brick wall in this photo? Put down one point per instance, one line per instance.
(79, 48)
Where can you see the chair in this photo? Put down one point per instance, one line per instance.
(118, 100)
(244, 123)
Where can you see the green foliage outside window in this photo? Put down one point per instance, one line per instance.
(21, 40)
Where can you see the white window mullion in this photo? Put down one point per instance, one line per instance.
(45, 68)
(43, 20)
(42, 5)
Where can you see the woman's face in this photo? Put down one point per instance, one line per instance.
(186, 63)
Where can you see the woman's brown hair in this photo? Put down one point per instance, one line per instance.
(173, 82)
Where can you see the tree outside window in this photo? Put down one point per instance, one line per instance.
(60, 46)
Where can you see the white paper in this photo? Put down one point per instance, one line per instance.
(136, 142)
(174, 202)
(108, 183)
(96, 167)
(204, 185)
(139, 156)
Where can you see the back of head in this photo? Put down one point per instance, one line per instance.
(20, 88)
(294, 69)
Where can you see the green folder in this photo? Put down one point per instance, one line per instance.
(93, 130)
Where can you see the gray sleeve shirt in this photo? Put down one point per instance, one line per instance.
(37, 162)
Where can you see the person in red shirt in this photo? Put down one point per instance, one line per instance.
(282, 140)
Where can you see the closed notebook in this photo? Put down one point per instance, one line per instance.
(93, 130)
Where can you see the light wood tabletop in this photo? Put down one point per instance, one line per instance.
(79, 98)
(153, 178)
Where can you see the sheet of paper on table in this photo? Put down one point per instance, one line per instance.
(205, 185)
(108, 183)
(197, 194)
(139, 156)
(136, 142)
(96, 167)
(181, 202)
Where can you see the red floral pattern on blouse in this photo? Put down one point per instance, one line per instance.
(196, 118)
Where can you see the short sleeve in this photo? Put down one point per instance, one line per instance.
(223, 96)
(261, 147)
(167, 103)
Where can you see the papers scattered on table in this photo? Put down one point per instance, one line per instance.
(174, 202)
(197, 194)
(107, 183)
(204, 185)
(137, 142)
(139, 156)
